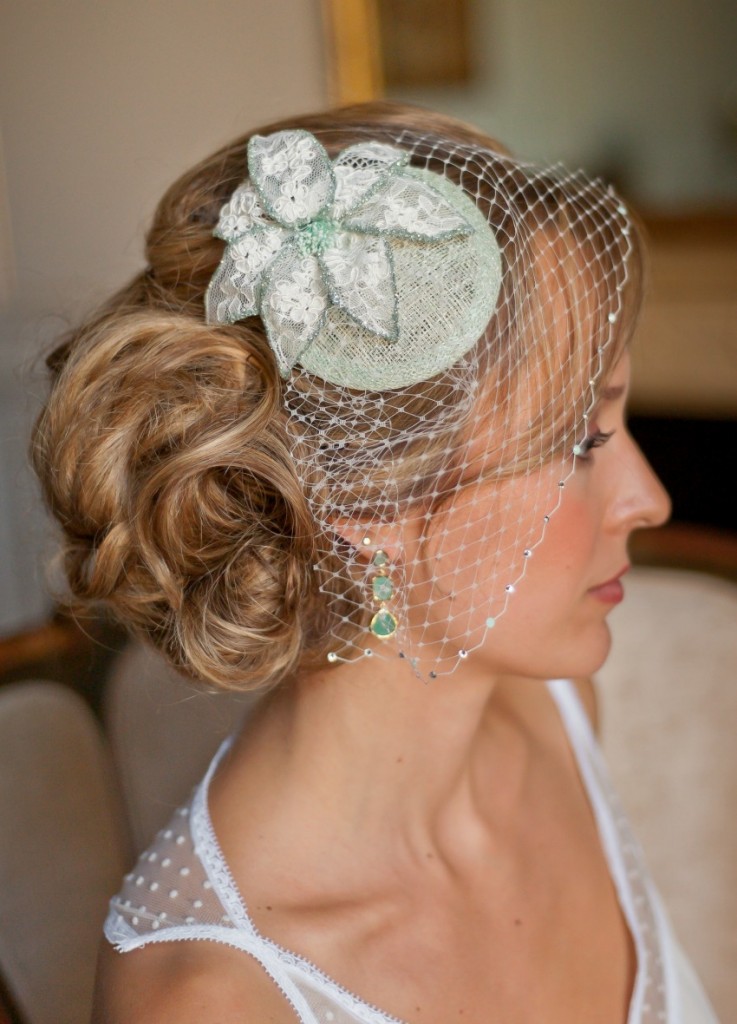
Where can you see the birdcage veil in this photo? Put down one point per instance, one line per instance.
(443, 316)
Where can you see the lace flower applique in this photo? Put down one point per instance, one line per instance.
(306, 234)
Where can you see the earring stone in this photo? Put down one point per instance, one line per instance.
(382, 587)
(384, 623)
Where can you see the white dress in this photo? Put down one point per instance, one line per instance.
(182, 889)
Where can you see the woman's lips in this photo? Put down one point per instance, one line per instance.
(612, 591)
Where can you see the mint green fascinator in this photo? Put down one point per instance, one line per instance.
(366, 272)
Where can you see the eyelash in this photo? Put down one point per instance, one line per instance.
(595, 440)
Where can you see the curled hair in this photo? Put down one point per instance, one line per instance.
(163, 454)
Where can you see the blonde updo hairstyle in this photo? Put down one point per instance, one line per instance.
(164, 453)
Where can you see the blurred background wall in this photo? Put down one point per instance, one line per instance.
(103, 105)
(642, 91)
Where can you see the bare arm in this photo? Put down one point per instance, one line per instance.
(185, 983)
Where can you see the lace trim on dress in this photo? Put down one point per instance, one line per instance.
(125, 939)
(224, 885)
(208, 850)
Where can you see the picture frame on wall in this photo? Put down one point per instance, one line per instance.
(377, 45)
(425, 42)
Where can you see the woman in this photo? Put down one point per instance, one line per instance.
(337, 442)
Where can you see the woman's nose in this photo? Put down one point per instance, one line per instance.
(643, 500)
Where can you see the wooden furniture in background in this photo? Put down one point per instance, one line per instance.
(425, 42)
(678, 545)
(685, 355)
(75, 653)
(353, 53)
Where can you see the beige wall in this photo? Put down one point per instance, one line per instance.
(7, 256)
(103, 104)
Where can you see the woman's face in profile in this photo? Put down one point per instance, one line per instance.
(555, 621)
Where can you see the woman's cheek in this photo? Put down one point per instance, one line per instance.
(570, 539)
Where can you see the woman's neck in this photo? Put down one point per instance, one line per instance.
(421, 768)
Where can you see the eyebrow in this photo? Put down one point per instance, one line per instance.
(611, 394)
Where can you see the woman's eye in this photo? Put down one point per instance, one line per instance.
(594, 440)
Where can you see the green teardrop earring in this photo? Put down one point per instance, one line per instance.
(384, 623)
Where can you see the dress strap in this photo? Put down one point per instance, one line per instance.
(610, 821)
(211, 856)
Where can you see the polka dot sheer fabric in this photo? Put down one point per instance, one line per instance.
(443, 317)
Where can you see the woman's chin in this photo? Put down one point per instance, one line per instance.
(595, 652)
(584, 656)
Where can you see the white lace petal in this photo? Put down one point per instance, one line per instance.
(234, 290)
(407, 207)
(360, 278)
(229, 296)
(294, 302)
(293, 176)
(240, 214)
(359, 169)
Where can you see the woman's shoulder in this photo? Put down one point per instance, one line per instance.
(186, 983)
